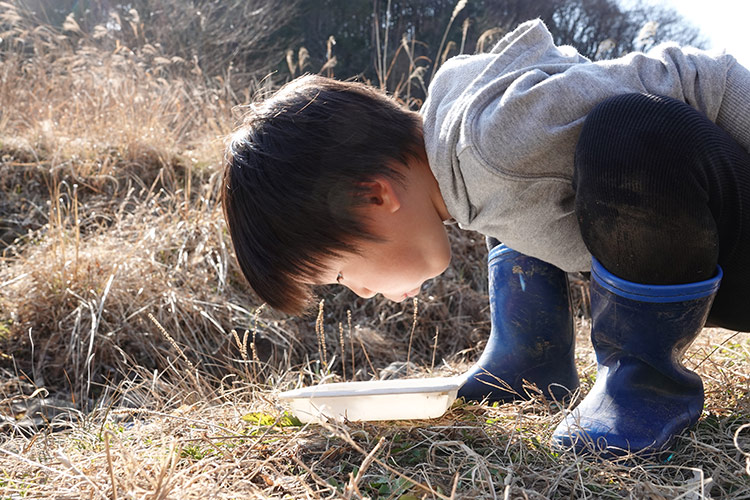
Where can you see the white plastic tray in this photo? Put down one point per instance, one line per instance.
(401, 399)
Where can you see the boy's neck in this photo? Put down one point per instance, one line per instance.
(420, 176)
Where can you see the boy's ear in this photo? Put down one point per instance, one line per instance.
(380, 192)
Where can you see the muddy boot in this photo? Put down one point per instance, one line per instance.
(532, 336)
(643, 396)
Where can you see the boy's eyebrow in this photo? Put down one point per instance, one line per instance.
(334, 281)
(321, 279)
(330, 276)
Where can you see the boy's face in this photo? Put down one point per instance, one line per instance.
(414, 247)
(395, 268)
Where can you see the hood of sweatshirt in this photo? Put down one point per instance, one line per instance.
(460, 89)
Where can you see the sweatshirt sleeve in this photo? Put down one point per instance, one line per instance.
(537, 117)
(734, 113)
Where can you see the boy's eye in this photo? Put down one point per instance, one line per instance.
(339, 277)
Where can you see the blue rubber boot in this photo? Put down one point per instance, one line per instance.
(643, 396)
(532, 337)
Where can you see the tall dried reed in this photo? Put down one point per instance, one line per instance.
(121, 303)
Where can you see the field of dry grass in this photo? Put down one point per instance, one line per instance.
(135, 363)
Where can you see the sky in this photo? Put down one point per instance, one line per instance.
(724, 22)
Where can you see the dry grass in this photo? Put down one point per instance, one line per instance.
(234, 440)
(135, 364)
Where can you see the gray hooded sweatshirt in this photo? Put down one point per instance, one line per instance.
(501, 129)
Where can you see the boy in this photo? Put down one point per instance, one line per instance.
(635, 169)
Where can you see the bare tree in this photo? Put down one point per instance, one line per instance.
(601, 29)
(387, 36)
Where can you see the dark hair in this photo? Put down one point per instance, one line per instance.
(292, 174)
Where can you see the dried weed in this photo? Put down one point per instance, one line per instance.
(110, 217)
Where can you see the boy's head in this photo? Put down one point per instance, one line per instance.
(297, 172)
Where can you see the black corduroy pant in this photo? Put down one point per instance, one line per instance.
(663, 196)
